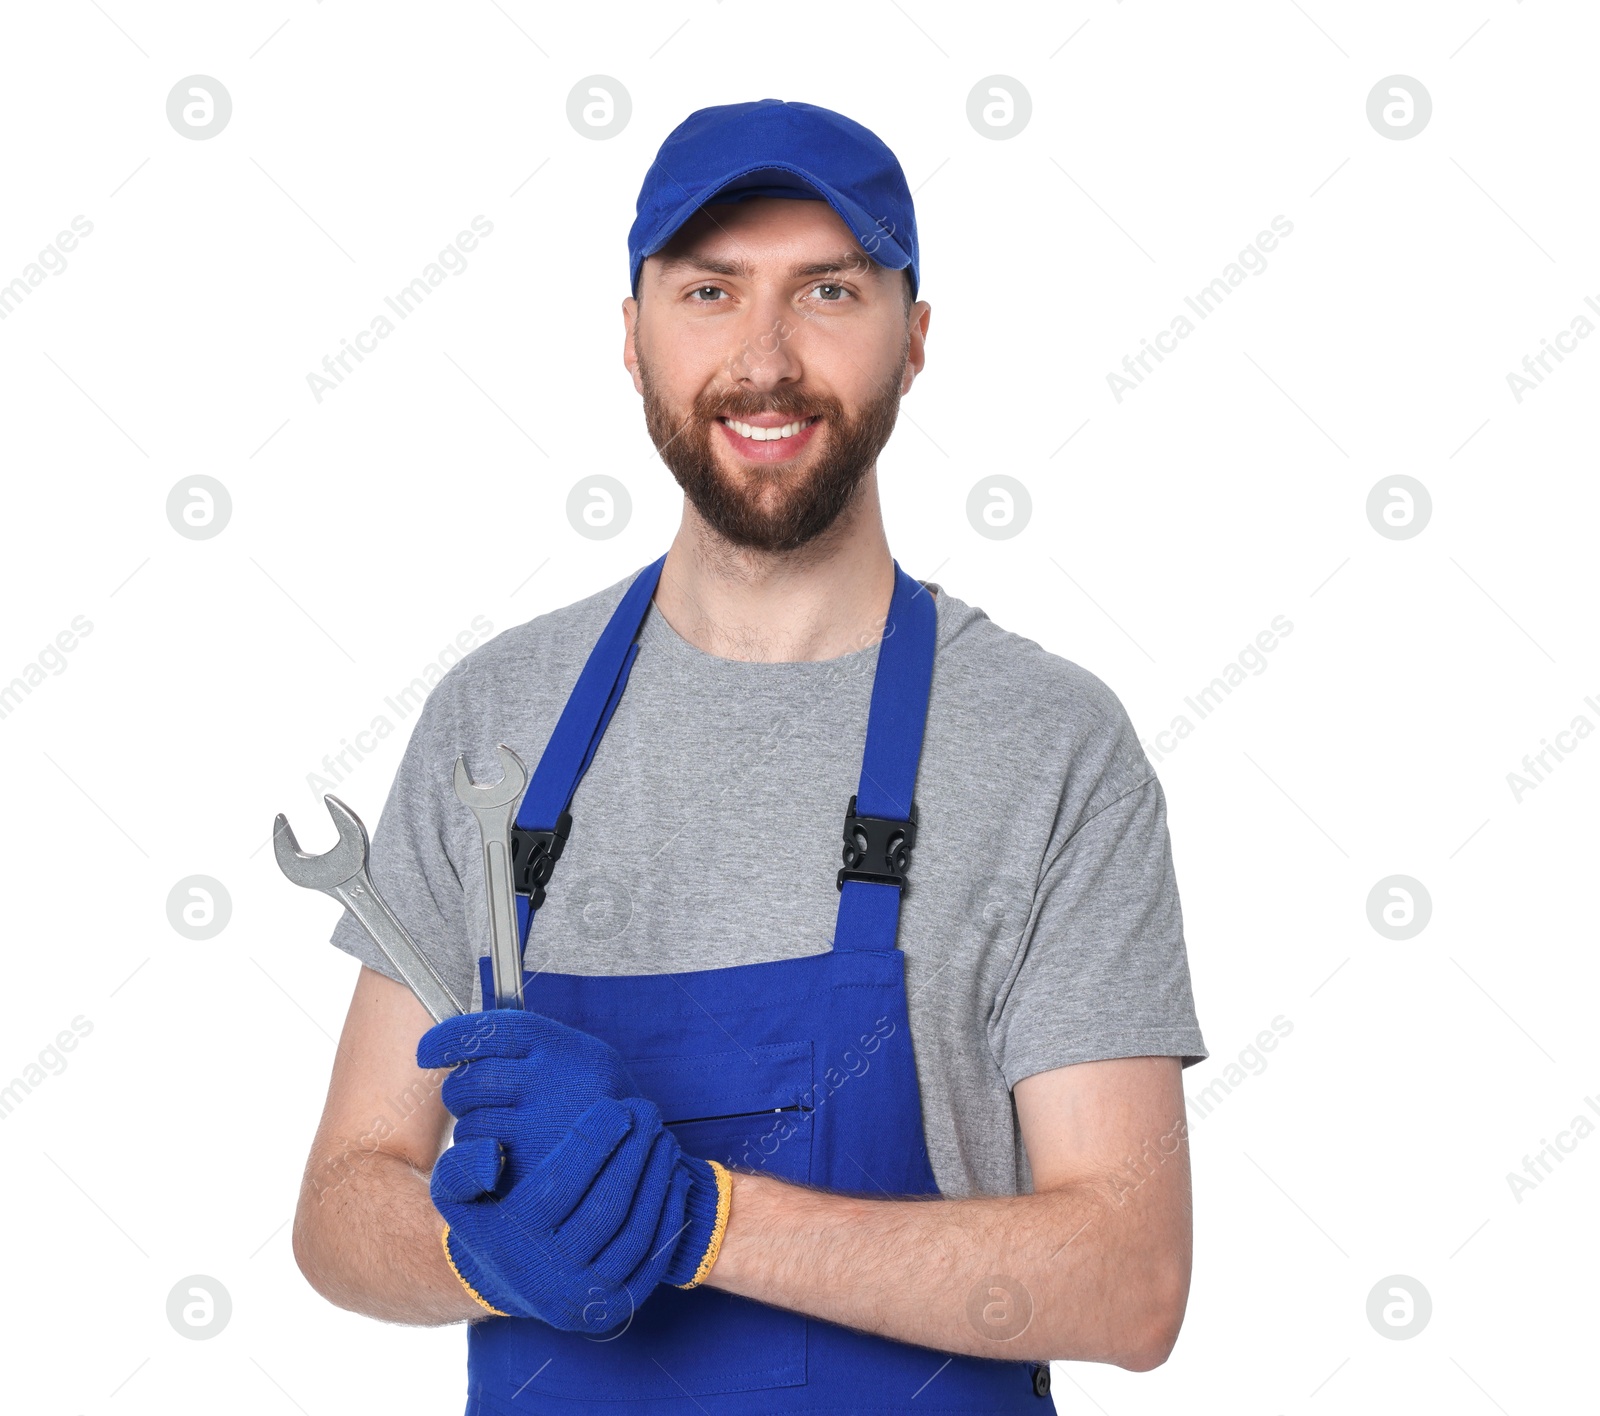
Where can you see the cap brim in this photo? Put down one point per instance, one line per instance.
(783, 179)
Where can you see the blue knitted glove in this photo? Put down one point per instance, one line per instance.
(585, 1236)
(565, 1197)
(525, 1062)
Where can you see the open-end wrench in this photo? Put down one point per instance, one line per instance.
(495, 806)
(342, 873)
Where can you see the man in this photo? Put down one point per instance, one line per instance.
(775, 1134)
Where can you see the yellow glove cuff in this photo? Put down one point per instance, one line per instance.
(445, 1240)
(718, 1229)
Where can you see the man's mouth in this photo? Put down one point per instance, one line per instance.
(766, 429)
(768, 437)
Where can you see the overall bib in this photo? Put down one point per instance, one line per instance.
(801, 1068)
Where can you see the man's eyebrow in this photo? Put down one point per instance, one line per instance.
(850, 260)
(742, 269)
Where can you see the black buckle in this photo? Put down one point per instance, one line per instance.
(534, 855)
(877, 848)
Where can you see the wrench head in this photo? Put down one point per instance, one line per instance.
(513, 782)
(332, 868)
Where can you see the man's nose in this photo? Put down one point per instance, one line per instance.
(766, 352)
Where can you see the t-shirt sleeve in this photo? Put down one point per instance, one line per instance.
(411, 864)
(1101, 970)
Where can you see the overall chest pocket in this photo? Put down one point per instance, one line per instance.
(746, 1107)
(750, 1107)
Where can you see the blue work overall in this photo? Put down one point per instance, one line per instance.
(800, 1068)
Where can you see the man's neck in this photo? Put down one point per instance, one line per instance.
(828, 598)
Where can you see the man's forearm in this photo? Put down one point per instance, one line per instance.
(1066, 1274)
(366, 1236)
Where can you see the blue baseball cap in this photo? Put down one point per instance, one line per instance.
(772, 148)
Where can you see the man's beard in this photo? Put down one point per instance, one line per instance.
(812, 488)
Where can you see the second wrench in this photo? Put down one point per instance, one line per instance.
(495, 806)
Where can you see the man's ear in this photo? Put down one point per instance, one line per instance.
(916, 351)
(630, 352)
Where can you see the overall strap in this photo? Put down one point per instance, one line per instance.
(583, 722)
(880, 822)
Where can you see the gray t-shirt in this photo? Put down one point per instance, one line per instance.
(1041, 926)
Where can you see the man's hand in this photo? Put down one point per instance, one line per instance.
(565, 1196)
(522, 1071)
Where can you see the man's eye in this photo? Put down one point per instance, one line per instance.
(833, 299)
(713, 289)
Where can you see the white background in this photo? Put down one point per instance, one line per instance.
(369, 529)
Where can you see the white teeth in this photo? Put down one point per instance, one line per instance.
(788, 430)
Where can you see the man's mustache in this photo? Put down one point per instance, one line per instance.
(797, 406)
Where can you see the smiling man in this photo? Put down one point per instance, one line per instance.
(855, 989)
(727, 410)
